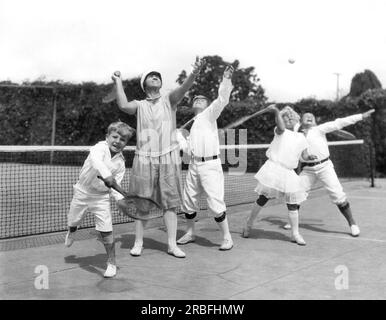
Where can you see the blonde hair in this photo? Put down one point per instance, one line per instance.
(122, 128)
(288, 110)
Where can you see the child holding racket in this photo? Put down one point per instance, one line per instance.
(322, 168)
(91, 194)
(205, 172)
(277, 178)
(156, 171)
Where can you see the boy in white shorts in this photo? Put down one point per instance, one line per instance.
(322, 168)
(205, 172)
(92, 194)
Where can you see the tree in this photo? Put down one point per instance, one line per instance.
(245, 82)
(362, 82)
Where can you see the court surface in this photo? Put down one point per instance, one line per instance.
(333, 265)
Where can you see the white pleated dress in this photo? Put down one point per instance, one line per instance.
(277, 177)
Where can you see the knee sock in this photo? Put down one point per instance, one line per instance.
(170, 218)
(108, 242)
(139, 231)
(293, 216)
(190, 223)
(222, 221)
(253, 214)
(345, 209)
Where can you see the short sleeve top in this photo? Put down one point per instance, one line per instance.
(156, 127)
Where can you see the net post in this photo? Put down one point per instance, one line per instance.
(372, 152)
(372, 169)
(53, 132)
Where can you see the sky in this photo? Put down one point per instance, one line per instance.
(84, 40)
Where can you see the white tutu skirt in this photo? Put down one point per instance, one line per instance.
(275, 181)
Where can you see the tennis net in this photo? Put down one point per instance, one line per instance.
(36, 182)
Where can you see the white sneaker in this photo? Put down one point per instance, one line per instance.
(355, 230)
(287, 226)
(227, 244)
(176, 252)
(69, 239)
(136, 250)
(298, 239)
(111, 271)
(186, 238)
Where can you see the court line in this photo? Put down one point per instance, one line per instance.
(308, 234)
(341, 237)
(315, 234)
(364, 197)
(368, 190)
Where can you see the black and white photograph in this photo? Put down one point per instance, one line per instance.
(190, 157)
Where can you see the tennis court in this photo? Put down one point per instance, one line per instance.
(265, 266)
(35, 200)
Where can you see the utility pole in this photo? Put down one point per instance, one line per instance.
(337, 85)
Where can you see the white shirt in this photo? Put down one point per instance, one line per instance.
(203, 140)
(316, 136)
(286, 148)
(99, 162)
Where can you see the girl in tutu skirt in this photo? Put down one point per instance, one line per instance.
(277, 177)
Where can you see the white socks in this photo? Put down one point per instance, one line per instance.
(170, 218)
(140, 226)
(294, 221)
(224, 226)
(190, 226)
(253, 215)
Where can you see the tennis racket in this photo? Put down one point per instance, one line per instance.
(183, 134)
(126, 206)
(187, 123)
(343, 134)
(245, 118)
(111, 96)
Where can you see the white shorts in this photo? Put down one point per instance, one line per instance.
(325, 173)
(205, 177)
(99, 205)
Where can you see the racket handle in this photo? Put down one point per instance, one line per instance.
(185, 125)
(115, 186)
